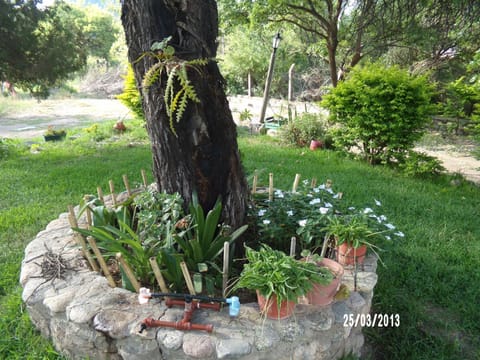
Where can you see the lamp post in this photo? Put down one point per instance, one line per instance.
(275, 44)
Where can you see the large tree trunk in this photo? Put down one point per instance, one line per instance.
(204, 155)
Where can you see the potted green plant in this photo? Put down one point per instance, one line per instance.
(323, 294)
(352, 234)
(279, 280)
(54, 135)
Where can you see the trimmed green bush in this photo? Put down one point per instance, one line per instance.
(130, 96)
(382, 111)
(303, 129)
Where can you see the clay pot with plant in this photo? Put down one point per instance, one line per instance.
(323, 294)
(279, 280)
(353, 237)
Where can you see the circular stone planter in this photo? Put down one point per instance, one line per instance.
(85, 318)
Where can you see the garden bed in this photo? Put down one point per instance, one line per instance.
(85, 317)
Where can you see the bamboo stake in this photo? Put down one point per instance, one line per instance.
(128, 270)
(112, 191)
(158, 275)
(329, 184)
(187, 277)
(293, 244)
(226, 265)
(127, 185)
(80, 240)
(314, 182)
(324, 246)
(270, 186)
(89, 217)
(100, 194)
(295, 183)
(144, 177)
(101, 261)
(255, 181)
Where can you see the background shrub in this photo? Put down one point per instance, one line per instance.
(130, 96)
(303, 129)
(382, 111)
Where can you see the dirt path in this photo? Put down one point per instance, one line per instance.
(28, 119)
(456, 162)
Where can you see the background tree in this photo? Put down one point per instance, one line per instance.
(40, 47)
(203, 155)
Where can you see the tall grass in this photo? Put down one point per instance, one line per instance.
(431, 276)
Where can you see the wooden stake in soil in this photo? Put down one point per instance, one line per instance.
(293, 245)
(226, 265)
(128, 271)
(295, 183)
(100, 194)
(158, 275)
(80, 240)
(127, 185)
(314, 182)
(88, 212)
(144, 177)
(101, 261)
(270, 186)
(112, 191)
(254, 185)
(187, 278)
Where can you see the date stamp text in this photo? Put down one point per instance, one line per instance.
(371, 320)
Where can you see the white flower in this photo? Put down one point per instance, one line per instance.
(400, 234)
(328, 205)
(315, 201)
(388, 237)
(378, 203)
(324, 210)
(390, 226)
(302, 222)
(305, 182)
(290, 212)
(261, 212)
(336, 196)
(367, 210)
(382, 218)
(351, 208)
(279, 194)
(316, 190)
(266, 222)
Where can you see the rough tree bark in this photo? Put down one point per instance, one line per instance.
(204, 156)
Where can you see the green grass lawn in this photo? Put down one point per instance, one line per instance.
(431, 278)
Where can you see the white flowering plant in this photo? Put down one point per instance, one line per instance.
(308, 212)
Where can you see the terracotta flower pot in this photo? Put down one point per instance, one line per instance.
(347, 255)
(315, 144)
(272, 311)
(324, 294)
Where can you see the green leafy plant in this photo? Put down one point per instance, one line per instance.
(176, 100)
(203, 239)
(303, 129)
(272, 272)
(294, 213)
(382, 111)
(420, 165)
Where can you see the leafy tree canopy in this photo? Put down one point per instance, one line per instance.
(41, 46)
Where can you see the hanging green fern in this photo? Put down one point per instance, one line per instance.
(176, 70)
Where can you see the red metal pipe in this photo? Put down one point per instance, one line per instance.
(179, 325)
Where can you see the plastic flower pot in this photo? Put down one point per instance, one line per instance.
(323, 294)
(348, 255)
(272, 311)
